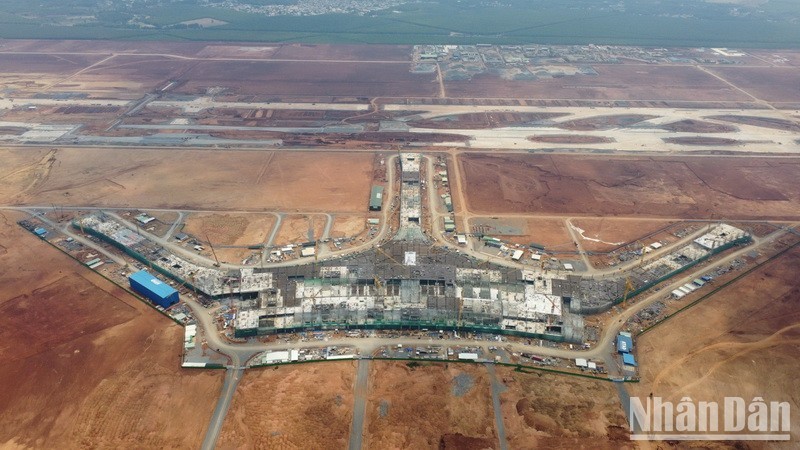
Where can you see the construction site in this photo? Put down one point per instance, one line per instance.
(409, 281)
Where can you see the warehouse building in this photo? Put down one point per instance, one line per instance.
(624, 342)
(153, 289)
(376, 198)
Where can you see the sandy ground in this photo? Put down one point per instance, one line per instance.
(167, 217)
(552, 233)
(229, 229)
(295, 229)
(743, 341)
(611, 233)
(561, 412)
(301, 406)
(348, 226)
(668, 187)
(240, 230)
(418, 407)
(86, 364)
(187, 179)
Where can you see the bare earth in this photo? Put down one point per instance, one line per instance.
(300, 406)
(668, 187)
(230, 229)
(744, 341)
(615, 232)
(76, 378)
(300, 228)
(419, 407)
(348, 226)
(561, 412)
(552, 233)
(187, 179)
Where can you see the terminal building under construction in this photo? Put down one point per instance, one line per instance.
(407, 282)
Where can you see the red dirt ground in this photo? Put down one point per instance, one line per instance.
(295, 229)
(778, 124)
(742, 341)
(87, 364)
(552, 233)
(614, 82)
(668, 187)
(50, 64)
(421, 411)
(615, 231)
(135, 73)
(287, 407)
(698, 126)
(546, 411)
(773, 84)
(303, 78)
(188, 179)
(604, 122)
(702, 140)
(482, 120)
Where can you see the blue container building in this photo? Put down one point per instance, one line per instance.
(153, 289)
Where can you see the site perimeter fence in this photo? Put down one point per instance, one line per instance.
(135, 255)
(717, 289)
(137, 296)
(605, 307)
(401, 326)
(521, 368)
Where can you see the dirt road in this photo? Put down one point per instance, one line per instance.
(359, 410)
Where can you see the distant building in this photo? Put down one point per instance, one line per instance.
(153, 289)
(144, 219)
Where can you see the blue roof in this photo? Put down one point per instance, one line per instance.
(152, 283)
(40, 231)
(624, 344)
(628, 359)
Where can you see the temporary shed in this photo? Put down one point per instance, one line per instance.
(628, 359)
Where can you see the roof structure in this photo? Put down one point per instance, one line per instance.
(624, 344)
(152, 283)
